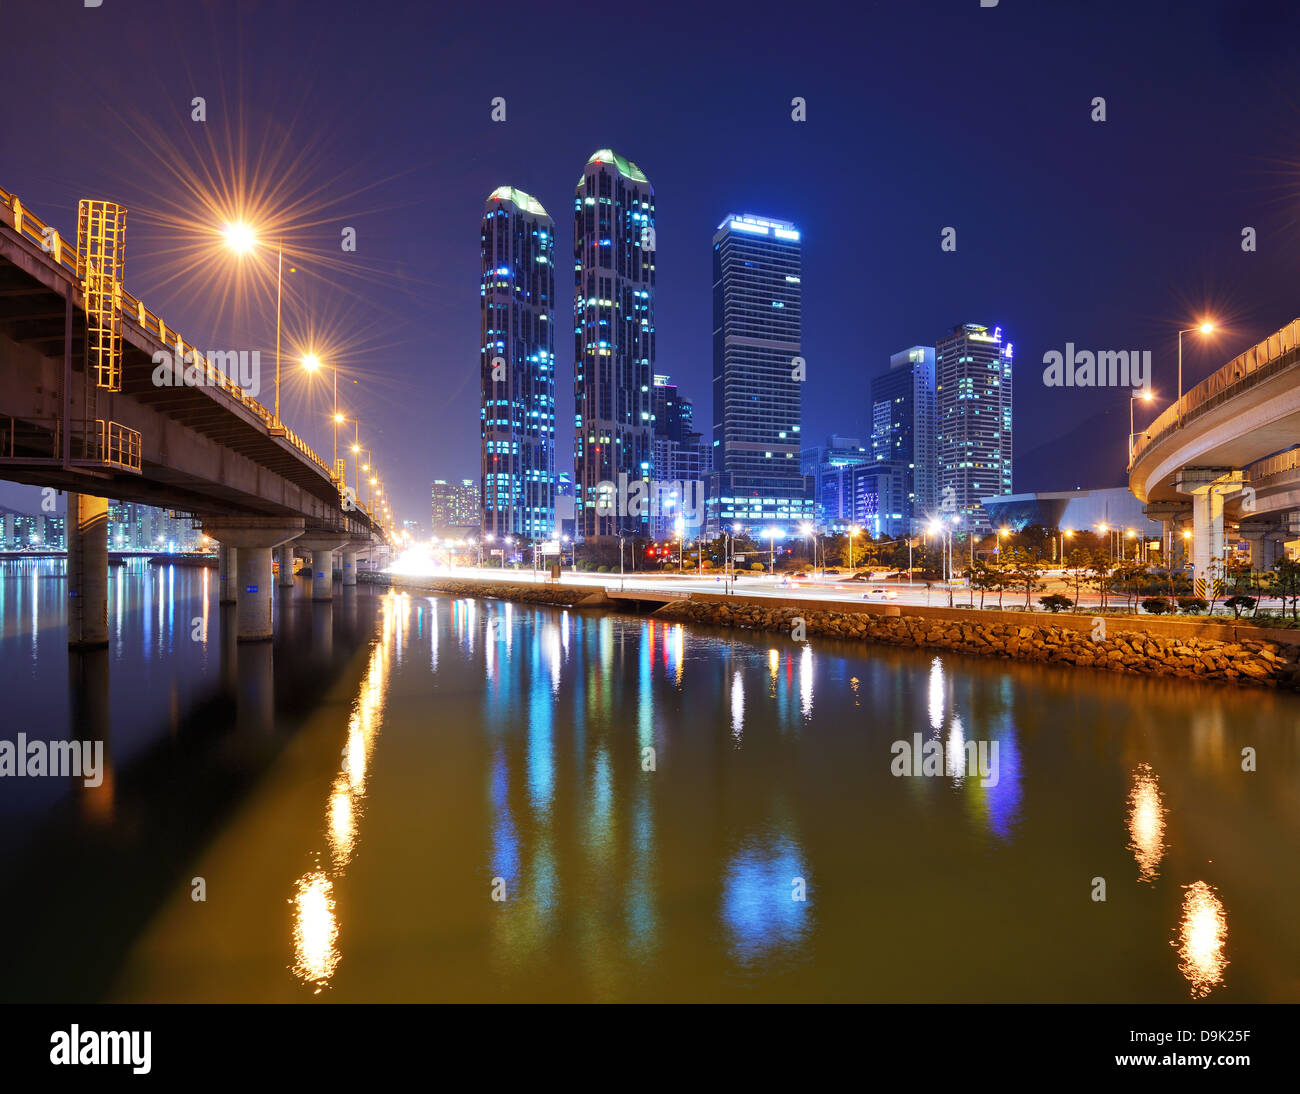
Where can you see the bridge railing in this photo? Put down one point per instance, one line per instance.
(1278, 351)
(1280, 464)
(64, 253)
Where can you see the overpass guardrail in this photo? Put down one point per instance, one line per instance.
(1279, 351)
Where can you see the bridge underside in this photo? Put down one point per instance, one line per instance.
(202, 451)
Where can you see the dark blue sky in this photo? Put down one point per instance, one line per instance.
(921, 115)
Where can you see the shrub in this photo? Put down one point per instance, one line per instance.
(1156, 605)
(1055, 602)
(1193, 605)
(757, 567)
(602, 569)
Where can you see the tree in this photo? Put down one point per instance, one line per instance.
(983, 577)
(1288, 582)
(1101, 567)
(1156, 605)
(1127, 578)
(1192, 605)
(1055, 602)
(1026, 569)
(1078, 564)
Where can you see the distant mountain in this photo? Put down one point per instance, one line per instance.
(1090, 456)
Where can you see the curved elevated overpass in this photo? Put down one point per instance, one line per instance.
(1224, 450)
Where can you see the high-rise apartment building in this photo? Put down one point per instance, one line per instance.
(903, 433)
(457, 508)
(614, 343)
(973, 392)
(757, 380)
(517, 357)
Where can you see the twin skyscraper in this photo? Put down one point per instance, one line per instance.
(752, 463)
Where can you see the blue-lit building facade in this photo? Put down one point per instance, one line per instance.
(518, 367)
(903, 436)
(614, 343)
(973, 393)
(757, 399)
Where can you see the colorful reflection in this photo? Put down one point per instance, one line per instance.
(1202, 937)
(765, 900)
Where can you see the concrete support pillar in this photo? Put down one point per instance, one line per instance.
(349, 565)
(1208, 486)
(251, 540)
(285, 557)
(322, 574)
(1263, 550)
(227, 568)
(322, 546)
(253, 612)
(87, 534)
(1207, 540)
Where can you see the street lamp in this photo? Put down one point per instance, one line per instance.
(1205, 327)
(313, 364)
(811, 533)
(1146, 395)
(241, 238)
(771, 533)
(853, 534)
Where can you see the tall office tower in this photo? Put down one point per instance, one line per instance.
(457, 508)
(903, 427)
(973, 391)
(517, 358)
(756, 396)
(614, 343)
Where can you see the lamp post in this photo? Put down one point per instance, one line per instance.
(1146, 395)
(771, 545)
(853, 533)
(241, 239)
(313, 364)
(1205, 327)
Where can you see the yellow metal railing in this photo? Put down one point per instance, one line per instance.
(25, 223)
(117, 445)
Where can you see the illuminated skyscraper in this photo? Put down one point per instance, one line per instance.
(614, 342)
(517, 361)
(903, 434)
(757, 393)
(973, 392)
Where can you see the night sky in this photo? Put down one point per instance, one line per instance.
(921, 115)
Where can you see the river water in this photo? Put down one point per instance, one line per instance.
(414, 797)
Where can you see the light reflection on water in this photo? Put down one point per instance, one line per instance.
(559, 689)
(655, 801)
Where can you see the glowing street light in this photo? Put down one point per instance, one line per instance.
(313, 364)
(1146, 395)
(242, 239)
(1205, 327)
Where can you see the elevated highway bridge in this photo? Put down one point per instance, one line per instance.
(1227, 452)
(102, 399)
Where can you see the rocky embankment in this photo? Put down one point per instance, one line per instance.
(1247, 662)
